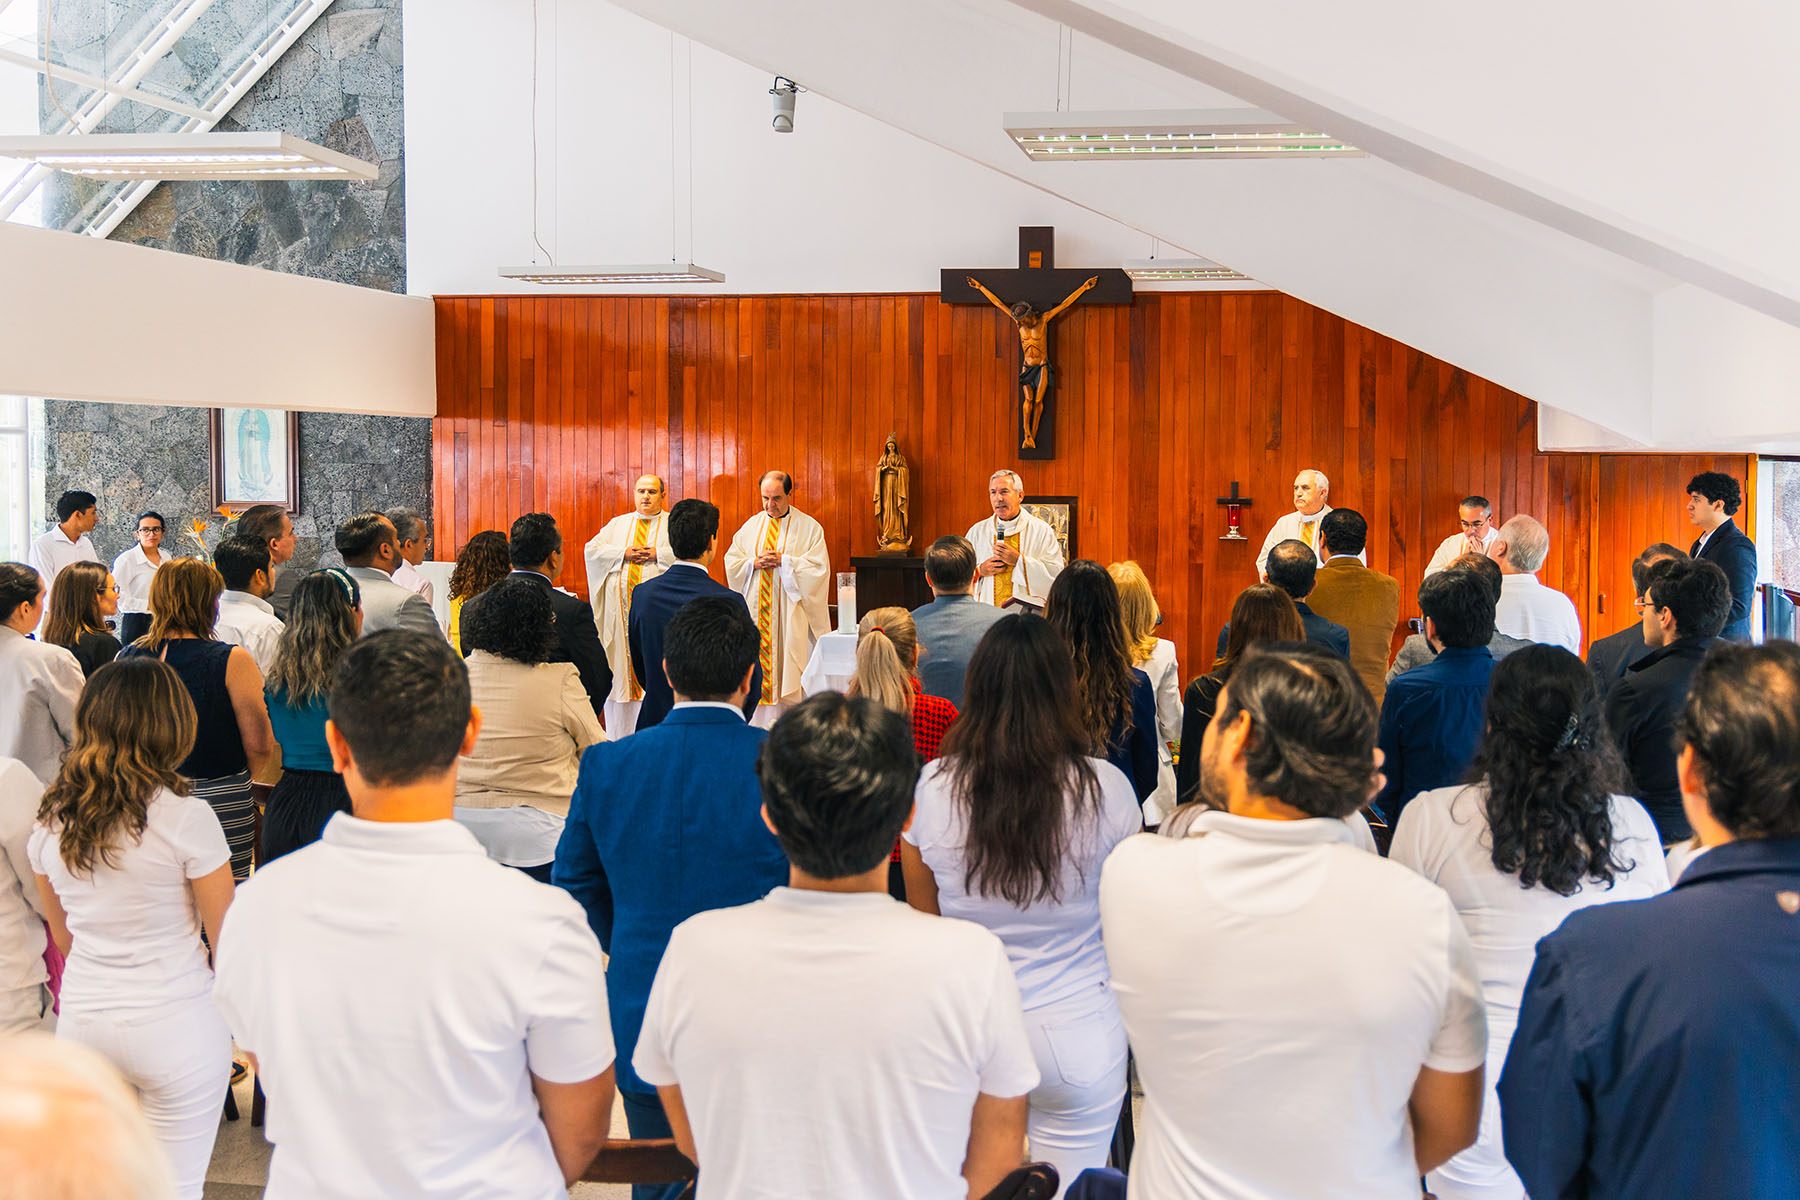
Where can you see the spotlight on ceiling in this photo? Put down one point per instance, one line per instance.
(784, 92)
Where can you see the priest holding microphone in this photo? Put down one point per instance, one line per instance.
(1020, 556)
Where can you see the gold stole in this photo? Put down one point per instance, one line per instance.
(1003, 588)
(634, 573)
(765, 613)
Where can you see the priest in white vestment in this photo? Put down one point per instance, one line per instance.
(629, 549)
(1477, 537)
(777, 559)
(1019, 554)
(1302, 525)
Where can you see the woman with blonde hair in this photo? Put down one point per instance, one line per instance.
(1155, 657)
(131, 867)
(78, 612)
(233, 738)
(480, 564)
(324, 619)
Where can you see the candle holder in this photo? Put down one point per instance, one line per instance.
(1234, 511)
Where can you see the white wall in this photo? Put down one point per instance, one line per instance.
(844, 204)
(87, 319)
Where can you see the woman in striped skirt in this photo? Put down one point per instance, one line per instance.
(233, 735)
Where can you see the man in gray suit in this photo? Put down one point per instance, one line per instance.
(371, 550)
(950, 625)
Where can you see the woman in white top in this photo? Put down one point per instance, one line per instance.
(134, 569)
(1541, 833)
(513, 789)
(1155, 657)
(39, 683)
(1011, 827)
(130, 867)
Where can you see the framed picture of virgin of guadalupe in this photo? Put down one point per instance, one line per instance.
(255, 457)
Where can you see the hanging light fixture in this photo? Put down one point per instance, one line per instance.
(186, 156)
(1152, 134)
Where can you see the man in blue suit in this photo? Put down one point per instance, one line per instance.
(1713, 497)
(668, 823)
(694, 537)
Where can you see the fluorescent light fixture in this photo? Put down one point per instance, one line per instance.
(1156, 134)
(186, 156)
(1179, 270)
(653, 273)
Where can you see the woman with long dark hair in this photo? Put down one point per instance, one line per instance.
(1261, 613)
(131, 867)
(1010, 829)
(1538, 831)
(234, 740)
(325, 617)
(480, 564)
(78, 612)
(1117, 702)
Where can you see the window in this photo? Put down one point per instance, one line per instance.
(1778, 520)
(15, 480)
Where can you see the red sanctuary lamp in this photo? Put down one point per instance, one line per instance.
(1234, 512)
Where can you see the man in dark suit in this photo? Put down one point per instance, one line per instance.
(1713, 498)
(1686, 606)
(694, 538)
(667, 823)
(1364, 601)
(1294, 568)
(951, 625)
(536, 546)
(1609, 657)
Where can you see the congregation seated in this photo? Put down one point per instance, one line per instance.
(954, 621)
(233, 739)
(480, 564)
(426, 1022)
(1415, 651)
(324, 618)
(85, 596)
(1155, 657)
(246, 618)
(1293, 566)
(1544, 832)
(39, 683)
(667, 823)
(1431, 717)
(132, 867)
(1608, 1096)
(1010, 829)
(513, 788)
(1118, 703)
(1261, 613)
(887, 1058)
(1306, 1017)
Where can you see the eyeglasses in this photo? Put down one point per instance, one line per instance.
(1473, 524)
(150, 528)
(111, 587)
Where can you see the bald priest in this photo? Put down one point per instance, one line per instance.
(628, 550)
(1019, 556)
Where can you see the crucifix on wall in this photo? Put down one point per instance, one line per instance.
(1033, 296)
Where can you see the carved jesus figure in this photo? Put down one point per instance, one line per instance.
(1034, 372)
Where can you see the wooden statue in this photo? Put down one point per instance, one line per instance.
(891, 533)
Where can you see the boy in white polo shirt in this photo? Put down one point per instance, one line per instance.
(1312, 1027)
(829, 1040)
(426, 1022)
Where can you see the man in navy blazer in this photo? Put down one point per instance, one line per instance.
(1713, 497)
(1294, 568)
(536, 548)
(668, 822)
(694, 538)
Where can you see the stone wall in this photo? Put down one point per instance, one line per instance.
(340, 86)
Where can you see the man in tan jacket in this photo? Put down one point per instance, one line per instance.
(1364, 601)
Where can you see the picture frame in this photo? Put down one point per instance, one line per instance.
(1060, 513)
(255, 456)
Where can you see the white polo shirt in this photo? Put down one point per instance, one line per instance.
(1281, 1022)
(52, 551)
(250, 621)
(833, 1044)
(133, 571)
(1530, 610)
(399, 989)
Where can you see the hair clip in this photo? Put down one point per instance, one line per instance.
(1569, 733)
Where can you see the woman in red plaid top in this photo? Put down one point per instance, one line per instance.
(887, 666)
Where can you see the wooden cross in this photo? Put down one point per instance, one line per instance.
(1048, 291)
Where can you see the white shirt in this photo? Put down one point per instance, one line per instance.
(21, 910)
(408, 577)
(133, 571)
(1286, 526)
(52, 551)
(1454, 547)
(398, 989)
(833, 1044)
(1272, 967)
(39, 686)
(250, 621)
(1529, 610)
(1053, 945)
(135, 929)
